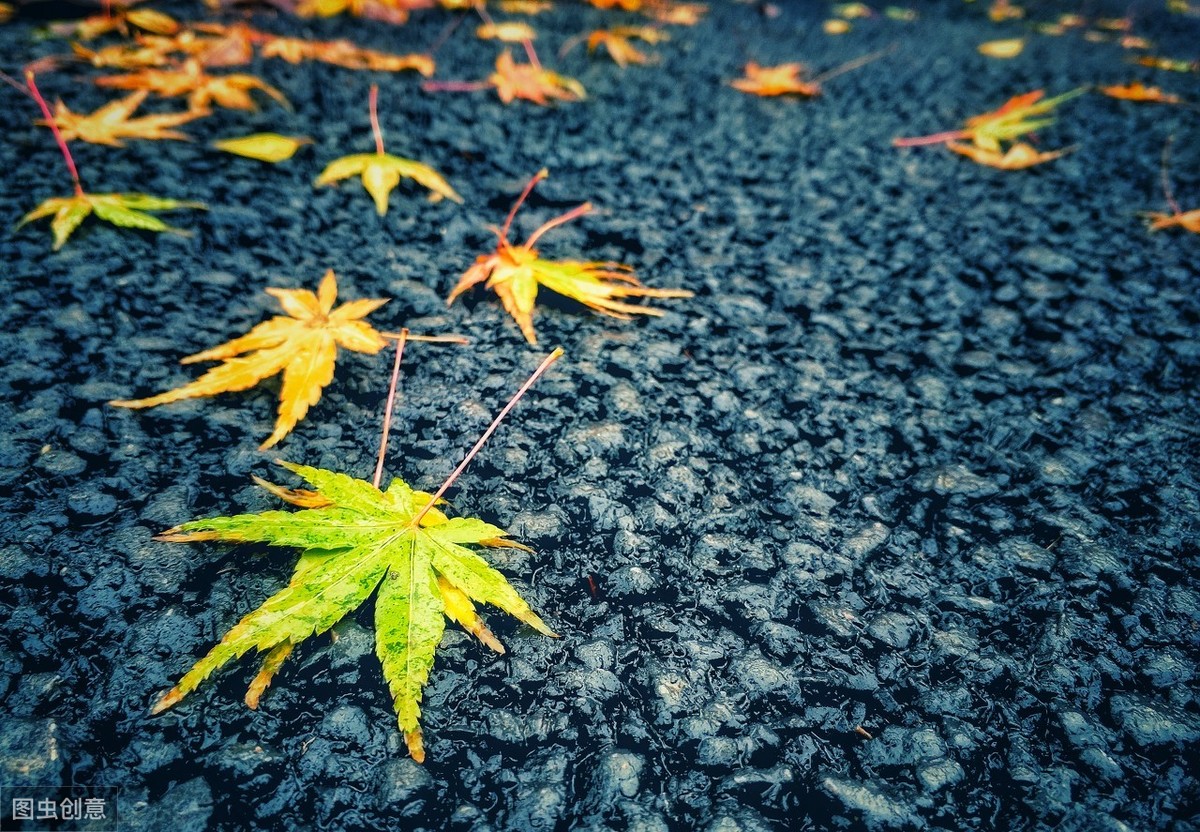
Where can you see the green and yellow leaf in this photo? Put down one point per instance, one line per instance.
(357, 540)
(265, 147)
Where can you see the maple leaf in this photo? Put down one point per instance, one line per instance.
(1018, 157)
(7, 12)
(302, 345)
(1137, 91)
(265, 147)
(1003, 49)
(231, 91)
(512, 80)
(1187, 220)
(617, 42)
(385, 11)
(127, 210)
(119, 18)
(785, 79)
(113, 122)
(1169, 64)
(532, 83)
(122, 56)
(514, 273)
(381, 172)
(343, 53)
(1178, 218)
(664, 11)
(525, 6)
(775, 80)
(510, 31)
(1017, 117)
(357, 540)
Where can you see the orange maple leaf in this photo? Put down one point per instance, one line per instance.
(514, 273)
(617, 42)
(512, 80)
(231, 91)
(775, 80)
(1137, 91)
(113, 122)
(302, 345)
(1017, 157)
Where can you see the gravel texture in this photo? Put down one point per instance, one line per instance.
(894, 526)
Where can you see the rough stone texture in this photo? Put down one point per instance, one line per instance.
(918, 463)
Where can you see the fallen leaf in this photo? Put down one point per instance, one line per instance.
(356, 542)
(664, 11)
(1002, 10)
(112, 123)
(852, 11)
(775, 80)
(900, 13)
(835, 27)
(121, 19)
(532, 83)
(381, 172)
(1007, 48)
(230, 91)
(302, 346)
(514, 273)
(1135, 42)
(127, 210)
(1169, 64)
(1137, 91)
(1017, 157)
(511, 31)
(121, 56)
(1015, 118)
(525, 6)
(265, 147)
(395, 12)
(1187, 220)
(7, 12)
(616, 42)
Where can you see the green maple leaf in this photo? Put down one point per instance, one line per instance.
(357, 539)
(127, 210)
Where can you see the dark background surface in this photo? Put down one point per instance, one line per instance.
(919, 457)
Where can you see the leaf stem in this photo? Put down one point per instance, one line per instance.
(487, 434)
(537, 177)
(53, 125)
(431, 339)
(373, 101)
(850, 66)
(935, 138)
(533, 58)
(455, 86)
(391, 403)
(574, 213)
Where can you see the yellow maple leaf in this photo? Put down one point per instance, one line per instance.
(302, 345)
(113, 122)
(265, 147)
(381, 172)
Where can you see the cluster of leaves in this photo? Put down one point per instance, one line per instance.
(356, 539)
